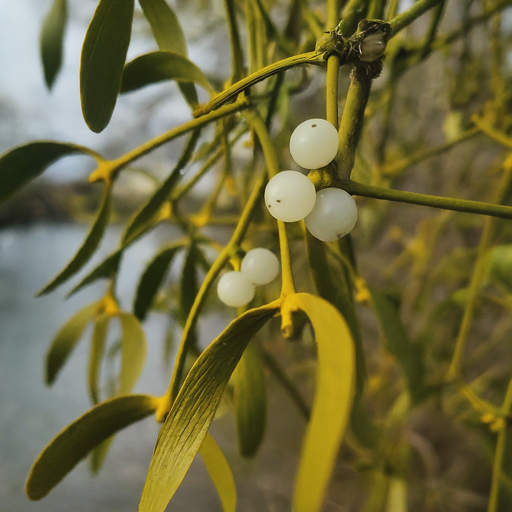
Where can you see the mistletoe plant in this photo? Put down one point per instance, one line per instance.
(339, 34)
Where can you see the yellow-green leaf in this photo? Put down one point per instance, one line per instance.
(220, 472)
(159, 66)
(87, 249)
(409, 355)
(73, 443)
(66, 340)
(334, 393)
(24, 163)
(397, 495)
(52, 37)
(165, 26)
(99, 454)
(99, 340)
(250, 399)
(142, 220)
(194, 408)
(133, 358)
(189, 285)
(102, 61)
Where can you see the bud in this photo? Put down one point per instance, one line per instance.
(371, 39)
(373, 46)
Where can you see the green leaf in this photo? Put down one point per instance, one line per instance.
(66, 340)
(99, 340)
(99, 454)
(250, 400)
(220, 472)
(334, 393)
(73, 443)
(88, 247)
(165, 26)
(169, 37)
(152, 279)
(409, 355)
(102, 61)
(336, 289)
(159, 66)
(24, 163)
(52, 37)
(134, 350)
(194, 408)
(189, 285)
(146, 214)
(105, 270)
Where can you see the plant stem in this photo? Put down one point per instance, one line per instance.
(315, 58)
(407, 17)
(237, 59)
(352, 120)
(492, 133)
(396, 168)
(333, 14)
(331, 93)
(476, 280)
(445, 203)
(353, 13)
(114, 166)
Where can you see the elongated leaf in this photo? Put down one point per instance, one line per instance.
(146, 214)
(336, 289)
(152, 279)
(397, 342)
(169, 37)
(194, 408)
(220, 472)
(189, 285)
(159, 66)
(102, 61)
(250, 402)
(87, 249)
(165, 26)
(66, 340)
(99, 454)
(334, 393)
(133, 352)
(52, 40)
(73, 443)
(24, 163)
(99, 339)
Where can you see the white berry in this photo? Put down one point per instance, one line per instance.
(234, 289)
(290, 196)
(334, 215)
(314, 143)
(260, 266)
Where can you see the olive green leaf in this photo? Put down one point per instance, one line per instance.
(398, 344)
(159, 66)
(88, 247)
(334, 393)
(499, 266)
(250, 401)
(133, 345)
(146, 214)
(336, 288)
(98, 455)
(152, 279)
(165, 26)
(102, 61)
(194, 408)
(168, 35)
(66, 340)
(105, 270)
(24, 163)
(52, 37)
(99, 340)
(220, 472)
(73, 443)
(189, 285)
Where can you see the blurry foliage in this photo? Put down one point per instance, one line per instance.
(402, 333)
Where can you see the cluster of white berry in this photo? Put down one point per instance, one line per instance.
(259, 266)
(291, 196)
